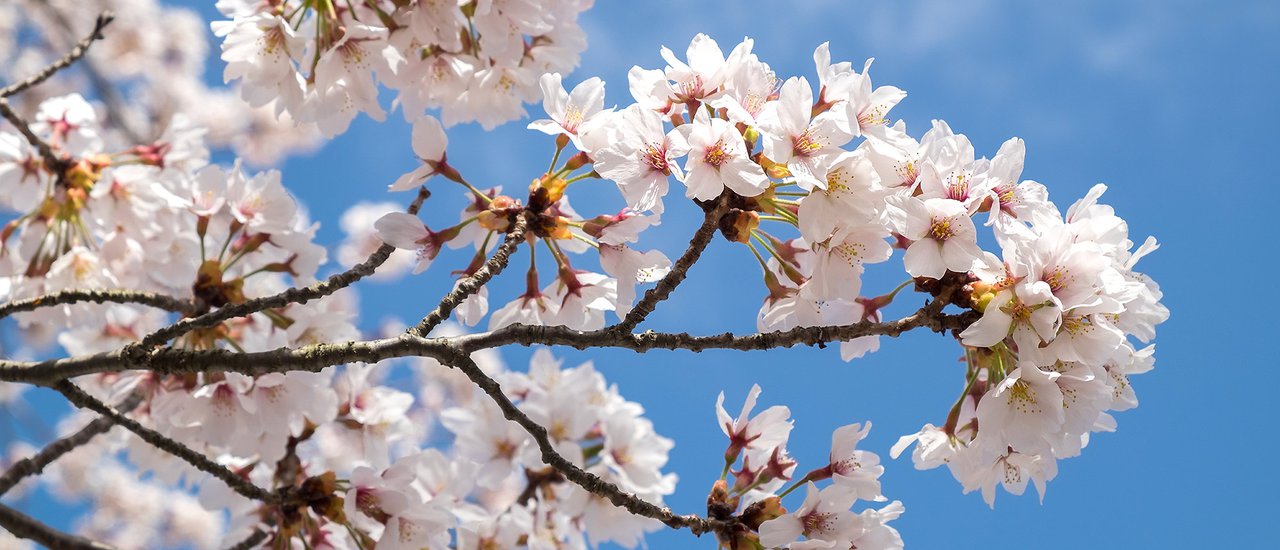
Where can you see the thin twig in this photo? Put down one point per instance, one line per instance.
(137, 351)
(470, 285)
(240, 485)
(52, 161)
(587, 480)
(75, 54)
(167, 303)
(107, 92)
(252, 541)
(701, 238)
(27, 527)
(35, 464)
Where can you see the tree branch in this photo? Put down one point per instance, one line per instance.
(470, 285)
(167, 303)
(74, 55)
(240, 485)
(27, 527)
(137, 352)
(35, 464)
(701, 238)
(528, 335)
(588, 481)
(51, 159)
(318, 356)
(105, 90)
(252, 541)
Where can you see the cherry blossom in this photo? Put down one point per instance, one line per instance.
(824, 520)
(943, 235)
(640, 158)
(572, 114)
(717, 160)
(808, 147)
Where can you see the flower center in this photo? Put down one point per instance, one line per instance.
(1022, 398)
(909, 172)
(1057, 278)
(805, 144)
(817, 522)
(572, 118)
(958, 186)
(942, 229)
(872, 116)
(655, 156)
(716, 155)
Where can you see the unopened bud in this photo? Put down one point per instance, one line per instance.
(577, 161)
(560, 228)
(86, 172)
(553, 187)
(980, 301)
(761, 511)
(737, 225)
(775, 170)
(497, 216)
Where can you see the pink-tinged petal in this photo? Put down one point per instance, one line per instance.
(554, 97)
(1045, 321)
(774, 140)
(703, 183)
(828, 129)
(924, 259)
(401, 230)
(588, 96)
(993, 326)
(795, 102)
(858, 347)
(744, 177)
(429, 139)
(649, 87)
(885, 98)
(722, 416)
(547, 126)
(779, 532)
(412, 180)
(810, 171)
(909, 215)
(961, 255)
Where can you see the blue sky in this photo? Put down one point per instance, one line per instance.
(1172, 104)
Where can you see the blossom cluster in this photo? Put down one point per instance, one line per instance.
(847, 186)
(160, 218)
(150, 67)
(321, 61)
(825, 519)
(1051, 354)
(811, 176)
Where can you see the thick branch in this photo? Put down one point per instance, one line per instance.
(35, 464)
(587, 480)
(137, 351)
(319, 356)
(199, 461)
(27, 527)
(528, 335)
(74, 55)
(701, 238)
(470, 285)
(167, 303)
